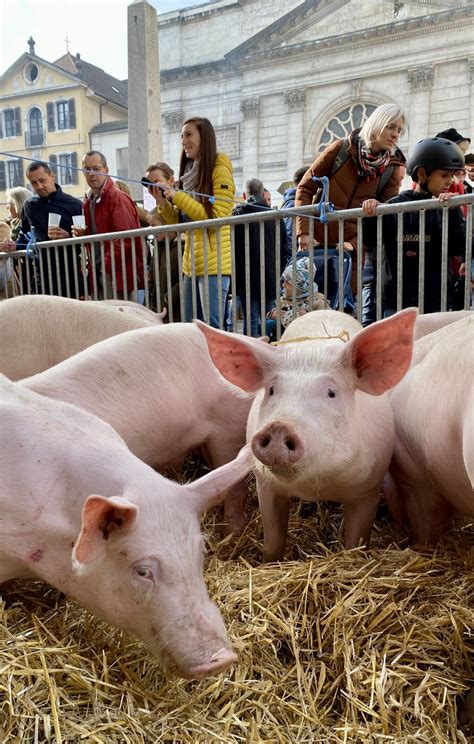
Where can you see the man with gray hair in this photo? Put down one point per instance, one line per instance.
(255, 202)
(107, 210)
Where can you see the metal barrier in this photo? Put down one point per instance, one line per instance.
(76, 267)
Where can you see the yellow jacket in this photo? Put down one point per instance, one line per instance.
(222, 186)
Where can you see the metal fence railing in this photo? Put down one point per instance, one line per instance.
(77, 267)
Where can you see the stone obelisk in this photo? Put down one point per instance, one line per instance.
(145, 143)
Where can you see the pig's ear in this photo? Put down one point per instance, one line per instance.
(101, 517)
(380, 355)
(241, 360)
(211, 489)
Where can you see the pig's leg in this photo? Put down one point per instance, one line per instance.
(274, 508)
(217, 454)
(429, 514)
(359, 517)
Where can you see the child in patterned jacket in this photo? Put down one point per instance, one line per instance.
(283, 311)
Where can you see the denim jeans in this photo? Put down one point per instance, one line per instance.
(255, 315)
(214, 299)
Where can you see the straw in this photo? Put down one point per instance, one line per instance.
(333, 646)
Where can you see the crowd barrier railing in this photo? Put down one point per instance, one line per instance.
(76, 267)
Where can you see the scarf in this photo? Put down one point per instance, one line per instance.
(369, 165)
(190, 177)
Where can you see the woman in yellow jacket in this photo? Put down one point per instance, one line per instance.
(203, 172)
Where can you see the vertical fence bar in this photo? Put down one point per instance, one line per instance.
(262, 276)
(359, 269)
(444, 258)
(247, 278)
(378, 262)
(219, 280)
(340, 278)
(421, 262)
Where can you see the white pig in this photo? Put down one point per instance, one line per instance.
(433, 462)
(80, 512)
(134, 308)
(39, 331)
(430, 322)
(320, 427)
(160, 390)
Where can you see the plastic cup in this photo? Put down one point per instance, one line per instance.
(79, 221)
(54, 219)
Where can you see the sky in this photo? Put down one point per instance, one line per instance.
(97, 29)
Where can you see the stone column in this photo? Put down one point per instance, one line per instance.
(250, 108)
(295, 102)
(470, 77)
(173, 122)
(420, 80)
(144, 101)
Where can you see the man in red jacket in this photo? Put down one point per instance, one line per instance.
(106, 210)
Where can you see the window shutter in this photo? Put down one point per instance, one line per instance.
(1, 124)
(53, 162)
(75, 174)
(20, 176)
(18, 121)
(50, 114)
(3, 178)
(72, 113)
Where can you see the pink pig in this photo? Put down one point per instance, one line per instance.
(320, 427)
(39, 331)
(433, 462)
(80, 512)
(160, 390)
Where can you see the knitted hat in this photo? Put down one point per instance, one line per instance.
(453, 135)
(302, 278)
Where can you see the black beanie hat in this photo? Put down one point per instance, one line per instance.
(453, 135)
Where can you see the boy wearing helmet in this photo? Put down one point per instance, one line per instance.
(431, 166)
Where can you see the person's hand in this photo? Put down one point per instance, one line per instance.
(462, 270)
(369, 206)
(444, 196)
(303, 242)
(57, 233)
(7, 246)
(157, 192)
(78, 232)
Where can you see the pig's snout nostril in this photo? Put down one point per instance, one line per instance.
(265, 441)
(290, 444)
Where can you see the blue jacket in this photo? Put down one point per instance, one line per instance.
(287, 203)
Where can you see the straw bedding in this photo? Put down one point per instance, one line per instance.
(333, 646)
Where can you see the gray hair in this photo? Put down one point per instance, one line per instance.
(254, 187)
(378, 120)
(103, 159)
(18, 196)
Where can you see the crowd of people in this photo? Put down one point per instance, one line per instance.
(363, 170)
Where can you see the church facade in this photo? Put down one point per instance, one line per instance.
(280, 79)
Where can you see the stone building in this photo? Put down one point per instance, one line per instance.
(280, 79)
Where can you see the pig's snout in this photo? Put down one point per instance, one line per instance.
(278, 445)
(218, 662)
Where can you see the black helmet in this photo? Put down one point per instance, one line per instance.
(435, 153)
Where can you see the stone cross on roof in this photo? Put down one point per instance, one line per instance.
(31, 43)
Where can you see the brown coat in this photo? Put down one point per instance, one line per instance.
(347, 190)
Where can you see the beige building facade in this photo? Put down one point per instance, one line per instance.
(48, 111)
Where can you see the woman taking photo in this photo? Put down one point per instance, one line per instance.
(363, 170)
(203, 173)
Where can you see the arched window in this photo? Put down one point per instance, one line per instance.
(344, 122)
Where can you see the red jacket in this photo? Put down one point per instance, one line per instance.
(114, 212)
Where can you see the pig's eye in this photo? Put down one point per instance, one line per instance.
(271, 391)
(331, 393)
(144, 572)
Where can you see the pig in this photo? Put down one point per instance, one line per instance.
(39, 331)
(79, 511)
(320, 426)
(430, 322)
(432, 469)
(134, 308)
(159, 389)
